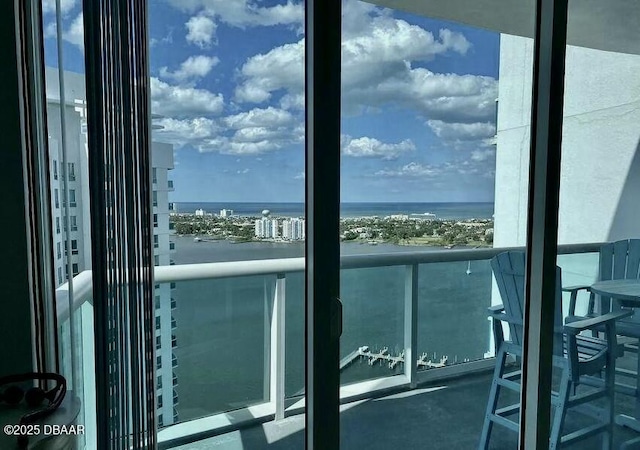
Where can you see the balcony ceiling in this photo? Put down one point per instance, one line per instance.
(610, 25)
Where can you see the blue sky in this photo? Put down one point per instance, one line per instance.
(418, 98)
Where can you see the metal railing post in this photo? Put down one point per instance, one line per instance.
(411, 323)
(276, 378)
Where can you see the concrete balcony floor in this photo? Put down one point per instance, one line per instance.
(445, 415)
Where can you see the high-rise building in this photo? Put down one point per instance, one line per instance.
(226, 213)
(69, 184)
(293, 229)
(266, 228)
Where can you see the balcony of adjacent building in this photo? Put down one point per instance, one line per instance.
(241, 331)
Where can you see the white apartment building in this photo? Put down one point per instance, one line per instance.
(266, 228)
(73, 177)
(200, 212)
(226, 213)
(293, 229)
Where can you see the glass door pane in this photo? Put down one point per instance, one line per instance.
(600, 182)
(436, 105)
(227, 94)
(70, 209)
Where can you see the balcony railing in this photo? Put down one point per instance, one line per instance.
(407, 263)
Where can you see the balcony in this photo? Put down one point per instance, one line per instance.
(417, 312)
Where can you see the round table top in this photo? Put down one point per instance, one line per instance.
(628, 290)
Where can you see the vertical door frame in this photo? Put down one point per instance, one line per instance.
(322, 211)
(542, 222)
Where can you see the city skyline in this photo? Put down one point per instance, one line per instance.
(418, 101)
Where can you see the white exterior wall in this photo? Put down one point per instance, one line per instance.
(600, 181)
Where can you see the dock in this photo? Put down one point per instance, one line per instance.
(383, 355)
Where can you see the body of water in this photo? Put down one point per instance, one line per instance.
(441, 210)
(222, 325)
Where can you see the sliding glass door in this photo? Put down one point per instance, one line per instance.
(435, 145)
(330, 184)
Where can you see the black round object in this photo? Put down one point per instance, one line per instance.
(34, 396)
(13, 395)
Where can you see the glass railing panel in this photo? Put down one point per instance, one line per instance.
(222, 335)
(294, 334)
(77, 366)
(452, 312)
(373, 322)
(579, 269)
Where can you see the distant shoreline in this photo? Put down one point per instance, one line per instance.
(444, 210)
(399, 229)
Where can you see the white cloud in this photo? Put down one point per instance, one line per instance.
(243, 171)
(201, 31)
(455, 41)
(280, 68)
(249, 133)
(49, 6)
(412, 169)
(260, 130)
(168, 39)
(187, 130)
(180, 101)
(193, 67)
(475, 168)
(377, 55)
(257, 117)
(247, 148)
(437, 96)
(74, 34)
(462, 131)
(487, 154)
(370, 147)
(245, 13)
(299, 176)
(292, 102)
(387, 45)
